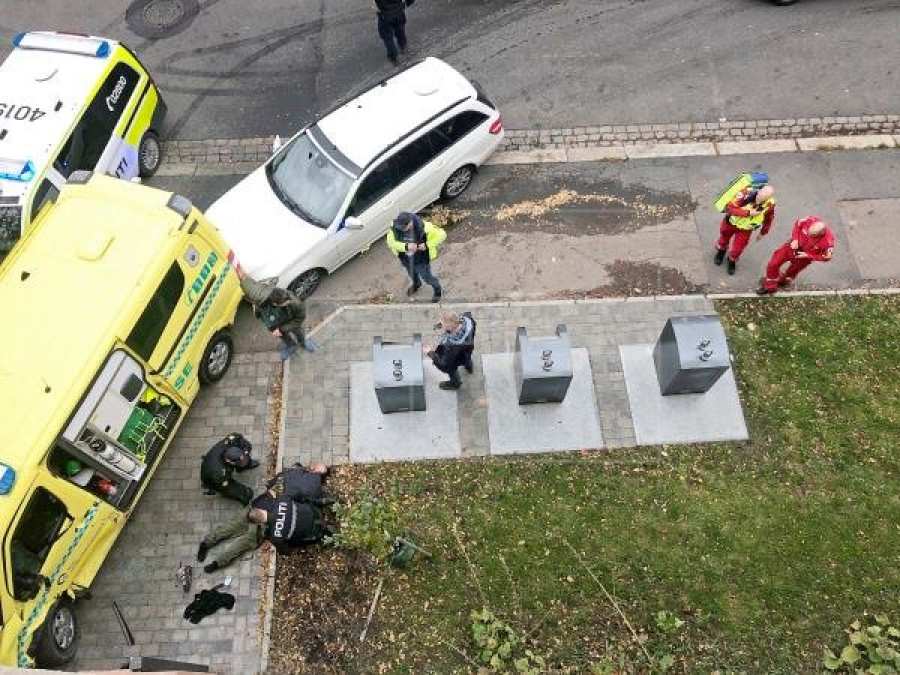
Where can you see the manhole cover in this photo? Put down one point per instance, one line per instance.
(156, 19)
(163, 13)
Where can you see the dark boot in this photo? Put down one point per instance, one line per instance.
(449, 385)
(732, 266)
(413, 289)
(762, 290)
(720, 256)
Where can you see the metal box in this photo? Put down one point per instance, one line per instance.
(543, 367)
(398, 375)
(690, 355)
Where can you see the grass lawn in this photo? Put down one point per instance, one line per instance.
(766, 550)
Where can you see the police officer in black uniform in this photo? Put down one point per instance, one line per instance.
(392, 23)
(230, 455)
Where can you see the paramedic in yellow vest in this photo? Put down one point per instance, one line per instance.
(415, 242)
(750, 210)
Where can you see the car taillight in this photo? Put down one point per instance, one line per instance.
(232, 259)
(497, 126)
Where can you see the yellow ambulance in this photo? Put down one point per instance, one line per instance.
(116, 305)
(70, 102)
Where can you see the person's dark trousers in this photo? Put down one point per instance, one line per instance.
(420, 271)
(237, 491)
(388, 28)
(454, 377)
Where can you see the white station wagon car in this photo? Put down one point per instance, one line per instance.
(336, 187)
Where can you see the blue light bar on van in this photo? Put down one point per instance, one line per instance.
(7, 479)
(70, 43)
(17, 169)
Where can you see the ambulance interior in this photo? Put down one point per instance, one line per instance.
(116, 434)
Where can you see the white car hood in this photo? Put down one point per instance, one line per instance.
(264, 234)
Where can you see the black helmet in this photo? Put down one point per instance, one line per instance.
(235, 455)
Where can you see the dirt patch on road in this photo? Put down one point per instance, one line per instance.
(630, 278)
(606, 208)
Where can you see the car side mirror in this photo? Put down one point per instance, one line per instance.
(277, 144)
(353, 223)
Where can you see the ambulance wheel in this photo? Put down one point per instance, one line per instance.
(216, 357)
(458, 182)
(149, 154)
(306, 283)
(59, 637)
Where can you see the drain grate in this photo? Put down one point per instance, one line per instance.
(156, 19)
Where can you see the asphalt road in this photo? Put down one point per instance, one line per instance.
(235, 68)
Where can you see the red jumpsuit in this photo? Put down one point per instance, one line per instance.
(739, 237)
(816, 249)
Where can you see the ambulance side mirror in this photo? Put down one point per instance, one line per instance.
(277, 144)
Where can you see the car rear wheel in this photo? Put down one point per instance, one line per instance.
(59, 637)
(216, 357)
(458, 182)
(149, 154)
(306, 283)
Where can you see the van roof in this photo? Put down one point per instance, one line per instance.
(52, 73)
(64, 292)
(364, 126)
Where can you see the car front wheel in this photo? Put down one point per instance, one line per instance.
(149, 154)
(59, 637)
(306, 283)
(458, 182)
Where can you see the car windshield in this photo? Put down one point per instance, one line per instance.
(308, 182)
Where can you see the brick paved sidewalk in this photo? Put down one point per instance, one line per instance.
(246, 153)
(315, 413)
(171, 518)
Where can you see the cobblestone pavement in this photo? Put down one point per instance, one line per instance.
(170, 519)
(246, 153)
(315, 414)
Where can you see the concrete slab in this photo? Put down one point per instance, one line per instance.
(863, 174)
(688, 418)
(528, 156)
(612, 153)
(871, 223)
(756, 147)
(375, 437)
(652, 150)
(573, 424)
(846, 142)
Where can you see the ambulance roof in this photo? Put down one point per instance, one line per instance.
(377, 119)
(46, 79)
(67, 292)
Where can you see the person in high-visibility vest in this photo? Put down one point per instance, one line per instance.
(415, 242)
(749, 211)
(811, 241)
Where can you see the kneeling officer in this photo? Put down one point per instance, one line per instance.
(229, 455)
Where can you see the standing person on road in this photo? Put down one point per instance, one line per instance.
(282, 313)
(750, 210)
(454, 349)
(811, 241)
(391, 24)
(415, 242)
(218, 466)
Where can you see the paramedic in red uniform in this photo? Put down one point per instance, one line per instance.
(810, 242)
(743, 215)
